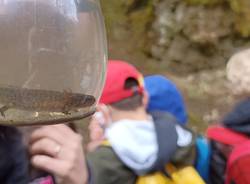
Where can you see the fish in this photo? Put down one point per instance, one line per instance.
(42, 100)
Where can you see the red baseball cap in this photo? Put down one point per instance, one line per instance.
(117, 74)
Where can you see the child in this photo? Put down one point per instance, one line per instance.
(136, 143)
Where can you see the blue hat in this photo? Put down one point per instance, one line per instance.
(164, 96)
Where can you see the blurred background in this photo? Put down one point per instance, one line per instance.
(189, 41)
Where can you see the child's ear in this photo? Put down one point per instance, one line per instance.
(145, 99)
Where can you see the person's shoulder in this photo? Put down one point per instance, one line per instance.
(163, 116)
(165, 124)
(180, 146)
(103, 151)
(106, 168)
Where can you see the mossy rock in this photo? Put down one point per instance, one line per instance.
(129, 21)
(140, 22)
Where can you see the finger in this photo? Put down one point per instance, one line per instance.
(50, 164)
(96, 134)
(105, 112)
(92, 124)
(67, 133)
(48, 132)
(65, 129)
(93, 145)
(45, 146)
(56, 132)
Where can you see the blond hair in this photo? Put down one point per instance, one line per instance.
(238, 72)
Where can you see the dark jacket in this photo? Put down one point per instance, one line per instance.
(105, 167)
(14, 162)
(238, 120)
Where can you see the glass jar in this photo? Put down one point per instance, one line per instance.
(53, 59)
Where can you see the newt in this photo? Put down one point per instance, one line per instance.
(42, 100)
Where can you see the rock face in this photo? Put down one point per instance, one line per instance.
(195, 35)
(184, 36)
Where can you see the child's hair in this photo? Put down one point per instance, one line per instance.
(133, 102)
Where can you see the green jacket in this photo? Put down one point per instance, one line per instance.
(106, 168)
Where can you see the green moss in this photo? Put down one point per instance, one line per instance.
(129, 2)
(196, 122)
(236, 5)
(129, 20)
(242, 16)
(140, 21)
(114, 13)
(204, 2)
(242, 26)
(241, 8)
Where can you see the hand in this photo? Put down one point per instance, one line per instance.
(96, 134)
(96, 130)
(99, 121)
(58, 150)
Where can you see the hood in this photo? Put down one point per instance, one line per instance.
(147, 146)
(239, 118)
(135, 143)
